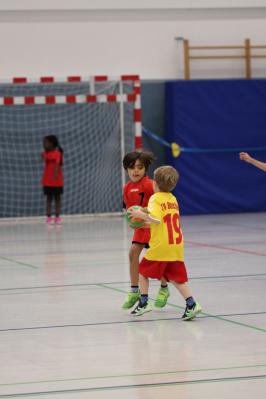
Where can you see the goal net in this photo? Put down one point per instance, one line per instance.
(95, 121)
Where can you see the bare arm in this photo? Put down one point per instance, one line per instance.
(144, 216)
(244, 156)
(56, 171)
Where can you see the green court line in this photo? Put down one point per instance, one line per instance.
(135, 386)
(204, 313)
(125, 282)
(105, 377)
(18, 262)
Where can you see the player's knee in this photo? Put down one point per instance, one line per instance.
(132, 255)
(134, 252)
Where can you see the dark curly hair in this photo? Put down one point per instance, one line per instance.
(145, 157)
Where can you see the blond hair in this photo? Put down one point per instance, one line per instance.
(166, 178)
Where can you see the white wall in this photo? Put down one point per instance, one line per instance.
(60, 43)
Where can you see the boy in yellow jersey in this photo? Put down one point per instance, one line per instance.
(165, 256)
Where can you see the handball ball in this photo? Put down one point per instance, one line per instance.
(134, 223)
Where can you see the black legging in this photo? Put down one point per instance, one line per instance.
(57, 198)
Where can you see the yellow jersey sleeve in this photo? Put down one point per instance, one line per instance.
(154, 208)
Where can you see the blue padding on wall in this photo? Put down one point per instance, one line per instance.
(217, 114)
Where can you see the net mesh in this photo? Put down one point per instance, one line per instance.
(90, 135)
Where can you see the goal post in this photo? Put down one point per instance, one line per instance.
(97, 119)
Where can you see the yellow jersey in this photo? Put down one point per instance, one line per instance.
(166, 242)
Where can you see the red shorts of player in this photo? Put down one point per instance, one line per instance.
(171, 271)
(141, 236)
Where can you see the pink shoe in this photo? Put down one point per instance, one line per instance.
(58, 221)
(49, 220)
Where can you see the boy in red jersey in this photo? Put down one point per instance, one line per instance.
(53, 179)
(138, 192)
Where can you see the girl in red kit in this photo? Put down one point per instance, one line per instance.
(52, 180)
(138, 192)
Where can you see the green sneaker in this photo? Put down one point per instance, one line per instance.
(141, 309)
(161, 299)
(190, 313)
(131, 299)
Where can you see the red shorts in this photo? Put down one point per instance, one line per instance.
(171, 271)
(141, 236)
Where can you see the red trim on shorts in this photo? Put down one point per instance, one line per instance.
(171, 271)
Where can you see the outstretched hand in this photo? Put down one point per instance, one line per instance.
(244, 156)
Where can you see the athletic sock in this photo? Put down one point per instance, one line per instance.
(134, 288)
(164, 286)
(190, 302)
(143, 300)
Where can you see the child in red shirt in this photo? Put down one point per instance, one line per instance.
(53, 180)
(138, 192)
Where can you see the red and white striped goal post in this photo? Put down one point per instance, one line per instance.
(133, 97)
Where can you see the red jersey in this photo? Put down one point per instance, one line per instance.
(138, 193)
(52, 159)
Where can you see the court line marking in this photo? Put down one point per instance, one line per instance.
(136, 386)
(135, 321)
(104, 377)
(126, 282)
(103, 323)
(204, 313)
(112, 249)
(106, 323)
(230, 249)
(123, 322)
(241, 225)
(70, 252)
(18, 262)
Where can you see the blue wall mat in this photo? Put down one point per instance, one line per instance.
(217, 114)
